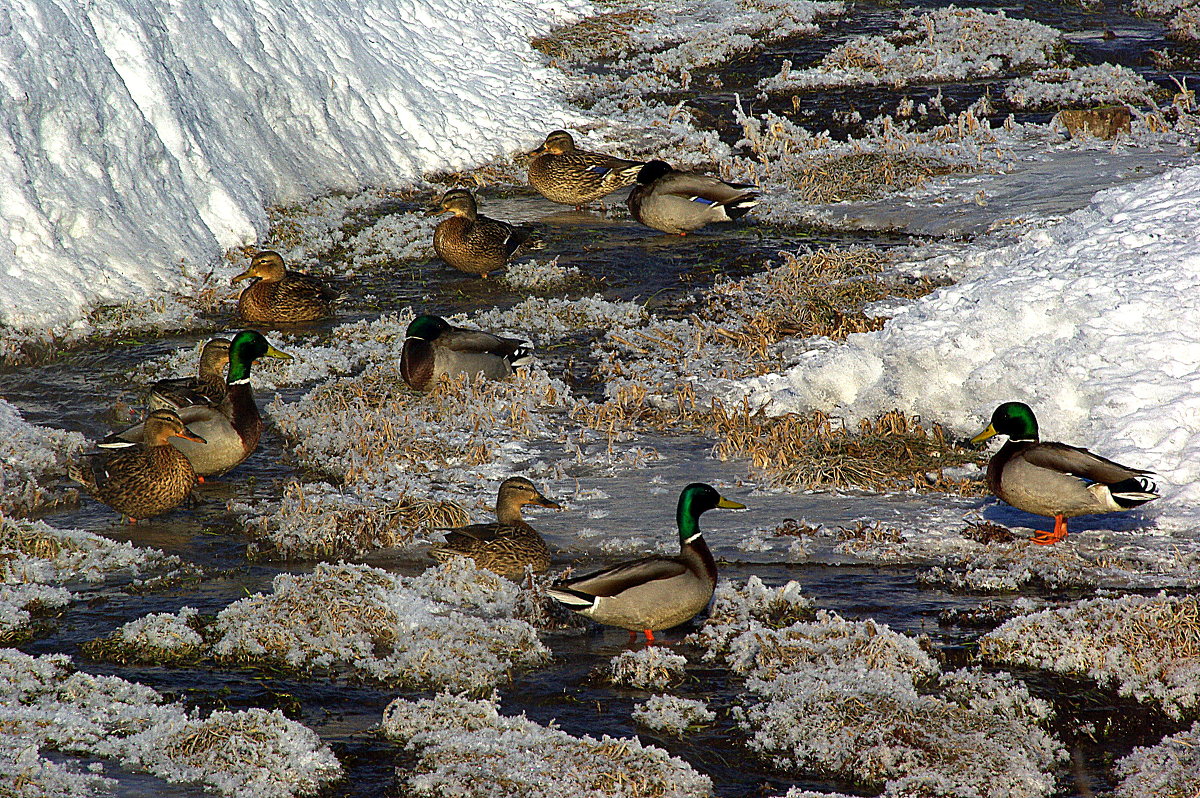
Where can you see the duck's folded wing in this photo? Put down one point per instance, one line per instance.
(1079, 462)
(689, 186)
(481, 532)
(612, 581)
(461, 340)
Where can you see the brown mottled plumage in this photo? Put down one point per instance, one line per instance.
(279, 295)
(570, 176)
(507, 546)
(141, 481)
(207, 387)
(470, 241)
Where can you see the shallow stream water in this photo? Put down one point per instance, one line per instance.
(77, 391)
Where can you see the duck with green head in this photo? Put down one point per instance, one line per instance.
(433, 347)
(654, 592)
(1054, 479)
(142, 481)
(231, 428)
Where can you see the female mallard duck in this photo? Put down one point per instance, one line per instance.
(278, 295)
(561, 173)
(1054, 479)
(433, 347)
(508, 546)
(654, 592)
(207, 387)
(231, 428)
(470, 241)
(142, 481)
(679, 202)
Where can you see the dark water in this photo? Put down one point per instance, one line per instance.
(76, 391)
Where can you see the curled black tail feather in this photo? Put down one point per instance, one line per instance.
(1133, 491)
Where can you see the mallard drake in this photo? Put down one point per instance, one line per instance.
(561, 173)
(470, 241)
(207, 387)
(146, 480)
(231, 429)
(433, 347)
(678, 202)
(653, 592)
(508, 546)
(278, 295)
(1054, 479)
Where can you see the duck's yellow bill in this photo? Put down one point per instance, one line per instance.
(730, 505)
(273, 352)
(983, 436)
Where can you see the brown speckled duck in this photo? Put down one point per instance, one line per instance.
(470, 241)
(678, 202)
(281, 296)
(207, 387)
(508, 546)
(231, 428)
(654, 592)
(1054, 479)
(145, 480)
(433, 347)
(570, 176)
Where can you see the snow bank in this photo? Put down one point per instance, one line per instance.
(140, 139)
(1092, 322)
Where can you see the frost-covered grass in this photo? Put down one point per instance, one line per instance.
(942, 45)
(38, 560)
(536, 276)
(657, 46)
(651, 668)
(859, 701)
(467, 749)
(31, 457)
(453, 628)
(673, 715)
(46, 704)
(1086, 86)
(1170, 769)
(1147, 647)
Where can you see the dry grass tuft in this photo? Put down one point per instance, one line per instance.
(337, 525)
(866, 175)
(19, 539)
(790, 527)
(816, 452)
(233, 732)
(602, 36)
(987, 533)
(873, 532)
